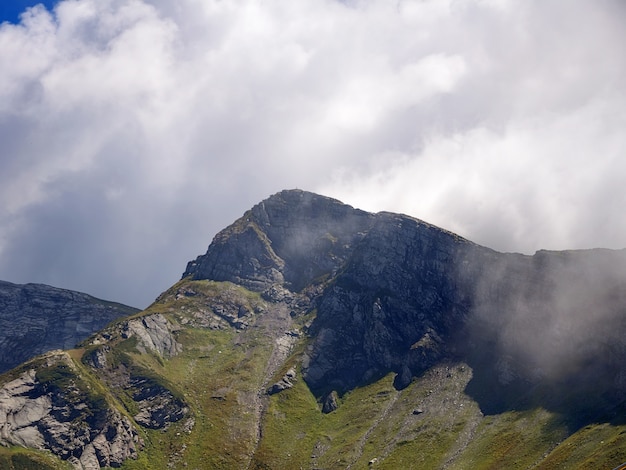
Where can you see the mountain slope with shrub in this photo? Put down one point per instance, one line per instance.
(314, 335)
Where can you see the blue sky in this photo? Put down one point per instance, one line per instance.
(133, 130)
(11, 9)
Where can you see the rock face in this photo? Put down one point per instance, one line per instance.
(393, 293)
(36, 318)
(292, 238)
(48, 407)
(393, 306)
(154, 333)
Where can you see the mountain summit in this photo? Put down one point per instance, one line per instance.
(394, 293)
(291, 239)
(315, 335)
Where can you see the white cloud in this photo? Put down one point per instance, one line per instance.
(543, 182)
(136, 129)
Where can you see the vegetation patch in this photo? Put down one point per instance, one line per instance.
(17, 458)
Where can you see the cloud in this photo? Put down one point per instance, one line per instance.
(541, 182)
(134, 130)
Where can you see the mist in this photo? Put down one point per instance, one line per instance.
(553, 320)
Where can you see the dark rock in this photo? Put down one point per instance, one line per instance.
(36, 318)
(330, 402)
(292, 238)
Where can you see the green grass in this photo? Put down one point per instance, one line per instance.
(594, 446)
(512, 440)
(17, 458)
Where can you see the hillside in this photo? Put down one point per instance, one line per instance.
(314, 335)
(36, 318)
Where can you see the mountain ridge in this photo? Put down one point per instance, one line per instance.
(441, 264)
(315, 335)
(36, 318)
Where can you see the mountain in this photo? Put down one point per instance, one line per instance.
(35, 318)
(315, 335)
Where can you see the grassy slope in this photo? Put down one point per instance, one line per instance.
(376, 427)
(220, 373)
(17, 458)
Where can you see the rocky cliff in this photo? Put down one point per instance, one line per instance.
(50, 406)
(36, 318)
(315, 335)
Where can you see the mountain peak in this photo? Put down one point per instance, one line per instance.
(299, 197)
(291, 238)
(294, 237)
(391, 291)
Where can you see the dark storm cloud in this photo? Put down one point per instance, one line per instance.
(132, 131)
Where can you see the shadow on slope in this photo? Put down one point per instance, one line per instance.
(587, 390)
(548, 331)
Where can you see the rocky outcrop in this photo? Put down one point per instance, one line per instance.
(155, 406)
(284, 383)
(158, 407)
(50, 403)
(154, 333)
(48, 406)
(36, 318)
(18, 413)
(227, 308)
(330, 402)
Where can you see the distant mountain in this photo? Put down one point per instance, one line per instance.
(35, 318)
(314, 335)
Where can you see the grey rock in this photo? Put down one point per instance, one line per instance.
(98, 359)
(19, 413)
(35, 318)
(155, 333)
(284, 383)
(74, 425)
(292, 238)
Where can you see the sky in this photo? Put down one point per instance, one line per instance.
(10, 10)
(132, 131)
